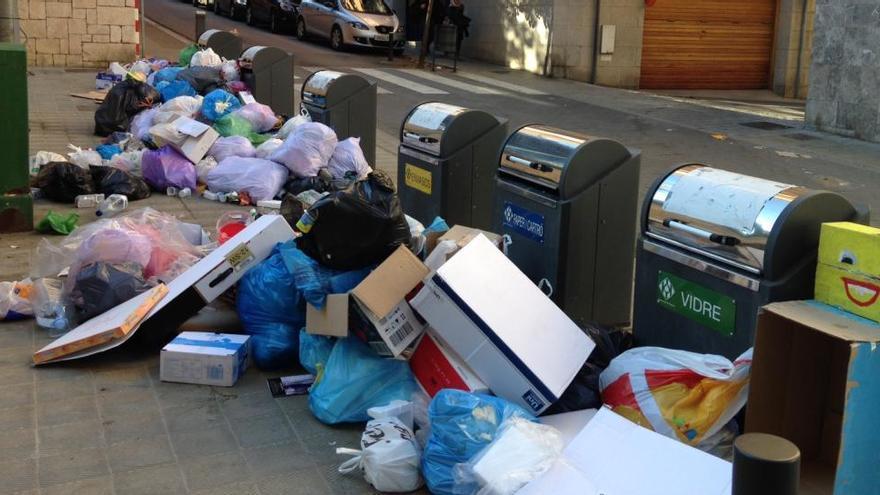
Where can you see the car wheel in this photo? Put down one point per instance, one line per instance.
(336, 40)
(249, 17)
(274, 23)
(301, 32)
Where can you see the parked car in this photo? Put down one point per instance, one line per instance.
(370, 23)
(279, 15)
(201, 3)
(234, 9)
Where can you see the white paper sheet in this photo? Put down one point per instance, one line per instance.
(190, 127)
(432, 115)
(613, 456)
(722, 198)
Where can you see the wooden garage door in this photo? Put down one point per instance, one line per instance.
(708, 44)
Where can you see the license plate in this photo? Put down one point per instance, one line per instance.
(381, 37)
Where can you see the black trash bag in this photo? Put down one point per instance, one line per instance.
(323, 182)
(111, 180)
(101, 286)
(63, 181)
(584, 390)
(122, 103)
(357, 227)
(202, 79)
(292, 209)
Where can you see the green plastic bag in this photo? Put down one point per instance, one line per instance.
(55, 223)
(187, 54)
(234, 125)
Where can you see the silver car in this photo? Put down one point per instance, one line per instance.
(370, 23)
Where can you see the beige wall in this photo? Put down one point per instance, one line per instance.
(787, 48)
(555, 37)
(78, 33)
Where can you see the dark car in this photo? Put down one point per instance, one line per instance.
(279, 15)
(231, 8)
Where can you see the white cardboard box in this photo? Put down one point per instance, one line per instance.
(205, 358)
(615, 456)
(196, 138)
(436, 367)
(514, 338)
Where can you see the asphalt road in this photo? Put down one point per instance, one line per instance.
(667, 132)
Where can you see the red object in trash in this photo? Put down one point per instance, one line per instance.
(229, 230)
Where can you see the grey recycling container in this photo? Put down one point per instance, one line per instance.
(346, 103)
(715, 246)
(446, 164)
(568, 203)
(268, 73)
(224, 43)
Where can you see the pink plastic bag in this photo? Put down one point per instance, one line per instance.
(166, 167)
(260, 116)
(307, 149)
(225, 147)
(349, 157)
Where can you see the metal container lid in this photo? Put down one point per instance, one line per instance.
(724, 215)
(267, 54)
(562, 161)
(203, 39)
(440, 129)
(327, 88)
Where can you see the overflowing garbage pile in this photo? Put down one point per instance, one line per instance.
(191, 128)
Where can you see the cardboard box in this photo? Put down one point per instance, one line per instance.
(848, 274)
(195, 138)
(614, 456)
(106, 80)
(514, 338)
(816, 381)
(570, 423)
(204, 358)
(378, 312)
(436, 367)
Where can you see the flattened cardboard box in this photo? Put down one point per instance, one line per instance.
(205, 358)
(815, 380)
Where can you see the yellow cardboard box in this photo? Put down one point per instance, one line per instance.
(848, 273)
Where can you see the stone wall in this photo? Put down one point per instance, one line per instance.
(79, 33)
(792, 48)
(845, 72)
(556, 37)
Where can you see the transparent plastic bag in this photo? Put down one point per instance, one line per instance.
(388, 459)
(230, 71)
(142, 122)
(314, 351)
(205, 58)
(261, 179)
(349, 157)
(167, 167)
(15, 301)
(204, 167)
(50, 309)
(307, 149)
(683, 395)
(293, 123)
(261, 117)
(521, 452)
(186, 106)
(42, 158)
(84, 157)
(129, 161)
(230, 146)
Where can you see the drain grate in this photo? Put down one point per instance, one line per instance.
(765, 125)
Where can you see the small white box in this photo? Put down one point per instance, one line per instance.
(515, 339)
(195, 138)
(205, 358)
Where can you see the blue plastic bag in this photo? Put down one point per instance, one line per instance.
(272, 312)
(356, 379)
(462, 424)
(108, 151)
(173, 89)
(167, 74)
(315, 281)
(314, 351)
(218, 103)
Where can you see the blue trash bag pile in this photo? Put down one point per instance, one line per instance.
(462, 424)
(272, 297)
(172, 89)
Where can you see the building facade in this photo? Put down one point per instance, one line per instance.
(79, 33)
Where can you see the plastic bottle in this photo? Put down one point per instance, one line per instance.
(112, 205)
(171, 191)
(88, 200)
(185, 192)
(211, 196)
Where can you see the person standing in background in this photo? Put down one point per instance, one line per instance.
(456, 16)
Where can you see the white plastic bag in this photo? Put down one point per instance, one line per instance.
(117, 69)
(307, 150)
(230, 71)
(41, 158)
(521, 451)
(261, 179)
(293, 123)
(84, 157)
(349, 157)
(205, 58)
(226, 147)
(15, 301)
(266, 149)
(141, 123)
(261, 117)
(204, 167)
(186, 106)
(130, 161)
(683, 395)
(389, 457)
(141, 66)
